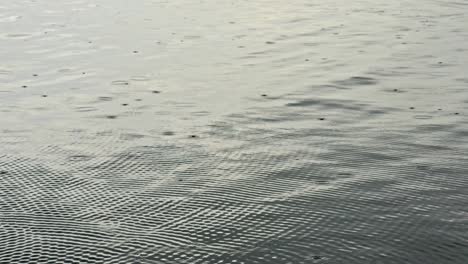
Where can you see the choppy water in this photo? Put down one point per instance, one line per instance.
(233, 131)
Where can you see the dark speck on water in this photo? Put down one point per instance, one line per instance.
(44, 95)
(124, 104)
(24, 86)
(120, 83)
(111, 117)
(411, 107)
(138, 99)
(321, 118)
(193, 136)
(156, 92)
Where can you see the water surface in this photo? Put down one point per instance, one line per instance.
(233, 131)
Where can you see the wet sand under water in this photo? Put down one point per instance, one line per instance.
(233, 131)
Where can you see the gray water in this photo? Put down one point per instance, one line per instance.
(234, 131)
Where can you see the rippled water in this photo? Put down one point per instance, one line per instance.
(233, 131)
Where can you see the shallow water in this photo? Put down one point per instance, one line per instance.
(233, 131)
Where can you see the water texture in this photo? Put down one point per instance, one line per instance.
(243, 132)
